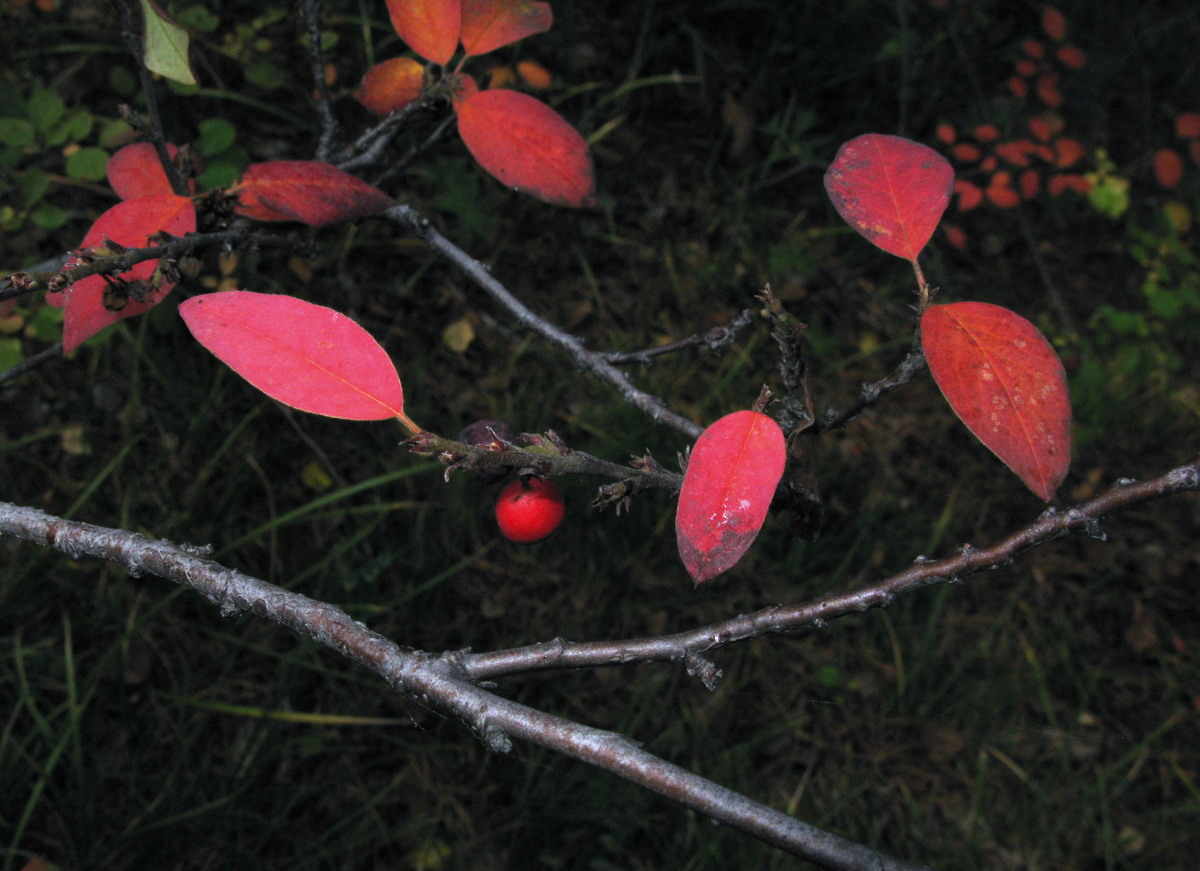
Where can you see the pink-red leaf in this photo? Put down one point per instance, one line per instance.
(1004, 381)
(92, 303)
(731, 477)
(892, 190)
(429, 27)
(307, 191)
(490, 24)
(524, 144)
(391, 85)
(135, 171)
(304, 355)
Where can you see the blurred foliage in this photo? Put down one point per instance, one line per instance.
(1044, 716)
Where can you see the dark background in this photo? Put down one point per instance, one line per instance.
(1042, 716)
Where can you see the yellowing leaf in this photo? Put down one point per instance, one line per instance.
(165, 45)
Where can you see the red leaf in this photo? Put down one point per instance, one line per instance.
(1004, 381)
(429, 27)
(391, 85)
(1068, 152)
(490, 24)
(526, 145)
(1187, 125)
(128, 223)
(135, 171)
(308, 191)
(1072, 57)
(1168, 168)
(1054, 23)
(304, 355)
(891, 190)
(731, 477)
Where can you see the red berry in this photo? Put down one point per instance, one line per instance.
(530, 509)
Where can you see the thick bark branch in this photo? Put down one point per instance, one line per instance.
(439, 681)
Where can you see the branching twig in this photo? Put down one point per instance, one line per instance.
(715, 340)
(21, 283)
(687, 646)
(912, 363)
(440, 682)
(593, 362)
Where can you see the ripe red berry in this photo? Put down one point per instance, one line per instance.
(529, 509)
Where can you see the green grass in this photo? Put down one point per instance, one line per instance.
(1041, 716)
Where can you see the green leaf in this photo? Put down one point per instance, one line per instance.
(165, 45)
(45, 108)
(87, 164)
(216, 134)
(17, 133)
(49, 216)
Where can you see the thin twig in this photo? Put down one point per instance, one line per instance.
(132, 30)
(310, 11)
(714, 340)
(687, 647)
(593, 362)
(871, 393)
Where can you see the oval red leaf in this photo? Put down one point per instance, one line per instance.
(429, 27)
(304, 355)
(731, 478)
(136, 171)
(1004, 381)
(490, 24)
(892, 190)
(307, 191)
(94, 303)
(526, 145)
(391, 85)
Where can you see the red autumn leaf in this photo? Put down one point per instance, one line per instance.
(307, 191)
(1168, 168)
(1041, 128)
(731, 477)
(986, 132)
(1072, 57)
(1004, 381)
(1030, 183)
(1068, 181)
(969, 195)
(391, 85)
(490, 24)
(304, 355)
(524, 144)
(1047, 90)
(1026, 68)
(1015, 152)
(1054, 23)
(1187, 125)
(92, 303)
(955, 236)
(1000, 192)
(966, 152)
(1018, 87)
(1033, 48)
(892, 190)
(135, 171)
(946, 133)
(1068, 152)
(428, 27)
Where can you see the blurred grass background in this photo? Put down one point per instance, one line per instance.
(1041, 717)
